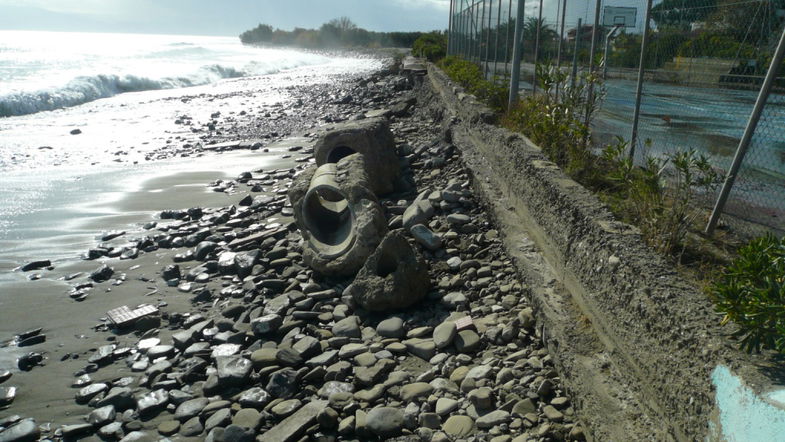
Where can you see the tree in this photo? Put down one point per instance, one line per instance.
(259, 34)
(682, 13)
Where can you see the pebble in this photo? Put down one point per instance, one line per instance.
(272, 351)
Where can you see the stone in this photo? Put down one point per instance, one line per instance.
(7, 395)
(445, 406)
(102, 273)
(233, 371)
(285, 408)
(247, 418)
(458, 426)
(190, 408)
(482, 398)
(342, 229)
(524, 407)
(391, 328)
(23, 431)
(101, 416)
(552, 414)
(417, 390)
(426, 237)
(467, 341)
(283, 384)
(422, 348)
(168, 428)
(294, 426)
(385, 422)
(370, 137)
(120, 397)
(152, 402)
(444, 334)
(419, 211)
(394, 277)
(264, 325)
(254, 397)
(492, 419)
(192, 427)
(218, 419)
(237, 433)
(348, 327)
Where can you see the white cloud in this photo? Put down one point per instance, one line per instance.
(423, 4)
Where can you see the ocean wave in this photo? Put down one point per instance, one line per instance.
(85, 89)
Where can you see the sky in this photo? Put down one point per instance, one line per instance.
(218, 17)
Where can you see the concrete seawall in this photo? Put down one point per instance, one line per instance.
(636, 344)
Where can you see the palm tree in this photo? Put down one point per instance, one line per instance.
(547, 35)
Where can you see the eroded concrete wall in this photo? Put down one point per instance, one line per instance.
(636, 343)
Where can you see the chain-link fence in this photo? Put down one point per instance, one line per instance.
(703, 67)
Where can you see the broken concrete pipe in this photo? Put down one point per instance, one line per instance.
(339, 216)
(374, 140)
(394, 277)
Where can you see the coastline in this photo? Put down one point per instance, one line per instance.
(494, 378)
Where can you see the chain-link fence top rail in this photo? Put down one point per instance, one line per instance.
(703, 68)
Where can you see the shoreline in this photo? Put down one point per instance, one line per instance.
(495, 380)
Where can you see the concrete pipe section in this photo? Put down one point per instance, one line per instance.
(326, 214)
(374, 140)
(339, 216)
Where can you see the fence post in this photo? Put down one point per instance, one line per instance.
(507, 60)
(449, 30)
(749, 131)
(561, 40)
(496, 45)
(575, 54)
(639, 89)
(488, 39)
(537, 49)
(590, 91)
(516, 56)
(480, 38)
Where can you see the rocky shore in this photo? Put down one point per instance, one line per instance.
(239, 340)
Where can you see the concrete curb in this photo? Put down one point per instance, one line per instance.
(635, 342)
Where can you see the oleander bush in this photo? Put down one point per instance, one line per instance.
(470, 75)
(751, 294)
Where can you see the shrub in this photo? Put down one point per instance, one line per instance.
(470, 76)
(555, 119)
(432, 46)
(658, 199)
(751, 293)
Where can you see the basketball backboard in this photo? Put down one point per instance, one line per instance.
(619, 16)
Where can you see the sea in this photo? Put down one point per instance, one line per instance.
(121, 92)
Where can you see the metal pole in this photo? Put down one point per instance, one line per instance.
(477, 31)
(496, 45)
(537, 49)
(479, 44)
(507, 39)
(449, 30)
(590, 91)
(575, 54)
(488, 38)
(639, 89)
(749, 131)
(561, 39)
(608, 38)
(561, 34)
(516, 56)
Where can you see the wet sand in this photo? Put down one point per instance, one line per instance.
(45, 392)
